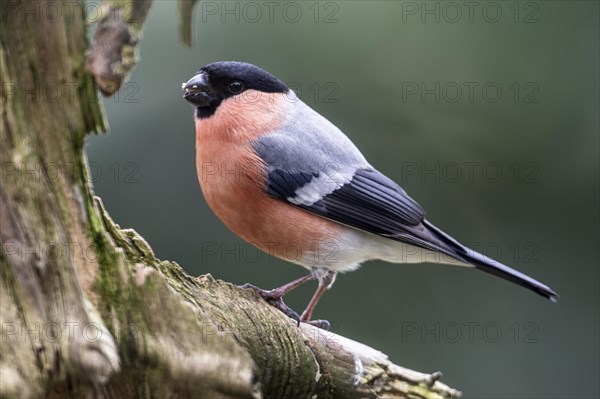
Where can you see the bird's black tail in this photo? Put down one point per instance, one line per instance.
(491, 266)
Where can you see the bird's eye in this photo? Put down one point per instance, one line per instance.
(236, 87)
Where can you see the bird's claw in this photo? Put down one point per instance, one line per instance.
(274, 300)
(322, 324)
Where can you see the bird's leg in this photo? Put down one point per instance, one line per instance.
(275, 296)
(326, 279)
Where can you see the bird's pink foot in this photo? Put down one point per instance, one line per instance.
(275, 299)
(322, 324)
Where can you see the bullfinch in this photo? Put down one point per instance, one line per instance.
(288, 181)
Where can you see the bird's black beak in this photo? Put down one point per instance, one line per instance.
(198, 90)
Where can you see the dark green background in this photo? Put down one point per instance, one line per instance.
(543, 220)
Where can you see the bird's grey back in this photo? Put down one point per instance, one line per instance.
(308, 142)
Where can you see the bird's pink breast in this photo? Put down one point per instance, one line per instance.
(233, 179)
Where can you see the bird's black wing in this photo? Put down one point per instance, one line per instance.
(372, 202)
(369, 201)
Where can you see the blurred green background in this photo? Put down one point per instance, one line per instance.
(487, 116)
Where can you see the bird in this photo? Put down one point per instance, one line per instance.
(288, 181)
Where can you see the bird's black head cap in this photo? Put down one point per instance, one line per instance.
(220, 80)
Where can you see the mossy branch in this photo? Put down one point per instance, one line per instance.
(114, 52)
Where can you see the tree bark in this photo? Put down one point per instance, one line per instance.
(86, 309)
